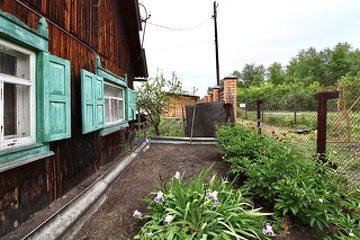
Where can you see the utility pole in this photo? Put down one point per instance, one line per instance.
(216, 46)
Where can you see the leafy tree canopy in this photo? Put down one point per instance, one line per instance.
(304, 74)
(154, 95)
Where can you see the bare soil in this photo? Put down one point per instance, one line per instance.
(113, 219)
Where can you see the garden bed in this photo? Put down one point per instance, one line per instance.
(114, 219)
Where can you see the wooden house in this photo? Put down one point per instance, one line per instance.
(175, 105)
(66, 81)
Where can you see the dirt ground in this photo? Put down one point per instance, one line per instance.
(113, 219)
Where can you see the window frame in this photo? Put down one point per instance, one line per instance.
(12, 141)
(90, 115)
(121, 99)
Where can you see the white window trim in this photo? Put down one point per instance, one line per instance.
(32, 91)
(121, 120)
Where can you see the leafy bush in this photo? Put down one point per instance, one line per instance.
(200, 209)
(304, 188)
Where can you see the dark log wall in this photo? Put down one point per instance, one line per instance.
(79, 30)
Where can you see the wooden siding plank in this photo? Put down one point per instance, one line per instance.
(94, 26)
(85, 21)
(59, 9)
(74, 17)
(43, 6)
(112, 32)
(67, 14)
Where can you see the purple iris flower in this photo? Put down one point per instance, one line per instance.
(213, 195)
(168, 219)
(268, 230)
(137, 213)
(159, 196)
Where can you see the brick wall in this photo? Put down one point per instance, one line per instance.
(226, 93)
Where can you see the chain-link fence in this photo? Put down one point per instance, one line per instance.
(343, 129)
(299, 126)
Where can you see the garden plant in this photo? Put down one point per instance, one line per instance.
(203, 207)
(293, 185)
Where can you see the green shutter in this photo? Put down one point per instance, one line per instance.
(53, 98)
(131, 104)
(92, 102)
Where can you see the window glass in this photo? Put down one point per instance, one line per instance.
(14, 62)
(18, 87)
(114, 103)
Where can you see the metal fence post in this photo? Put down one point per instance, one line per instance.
(258, 102)
(322, 98)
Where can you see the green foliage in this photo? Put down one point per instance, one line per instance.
(206, 207)
(127, 135)
(279, 97)
(305, 73)
(168, 127)
(351, 93)
(304, 120)
(276, 74)
(152, 97)
(252, 75)
(294, 185)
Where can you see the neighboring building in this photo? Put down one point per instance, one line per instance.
(66, 78)
(176, 105)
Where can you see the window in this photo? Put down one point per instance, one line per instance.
(17, 101)
(106, 102)
(114, 103)
(32, 113)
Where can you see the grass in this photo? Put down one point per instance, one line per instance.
(168, 127)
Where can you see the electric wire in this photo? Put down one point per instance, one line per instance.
(179, 29)
(180, 46)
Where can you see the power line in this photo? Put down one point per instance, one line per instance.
(178, 29)
(164, 49)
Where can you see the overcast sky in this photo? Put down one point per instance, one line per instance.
(180, 36)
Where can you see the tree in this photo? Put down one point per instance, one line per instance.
(153, 96)
(276, 74)
(253, 75)
(354, 60)
(340, 64)
(259, 75)
(308, 66)
(248, 73)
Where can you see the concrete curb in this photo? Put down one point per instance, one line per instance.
(182, 140)
(61, 222)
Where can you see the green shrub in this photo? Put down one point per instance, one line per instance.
(294, 185)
